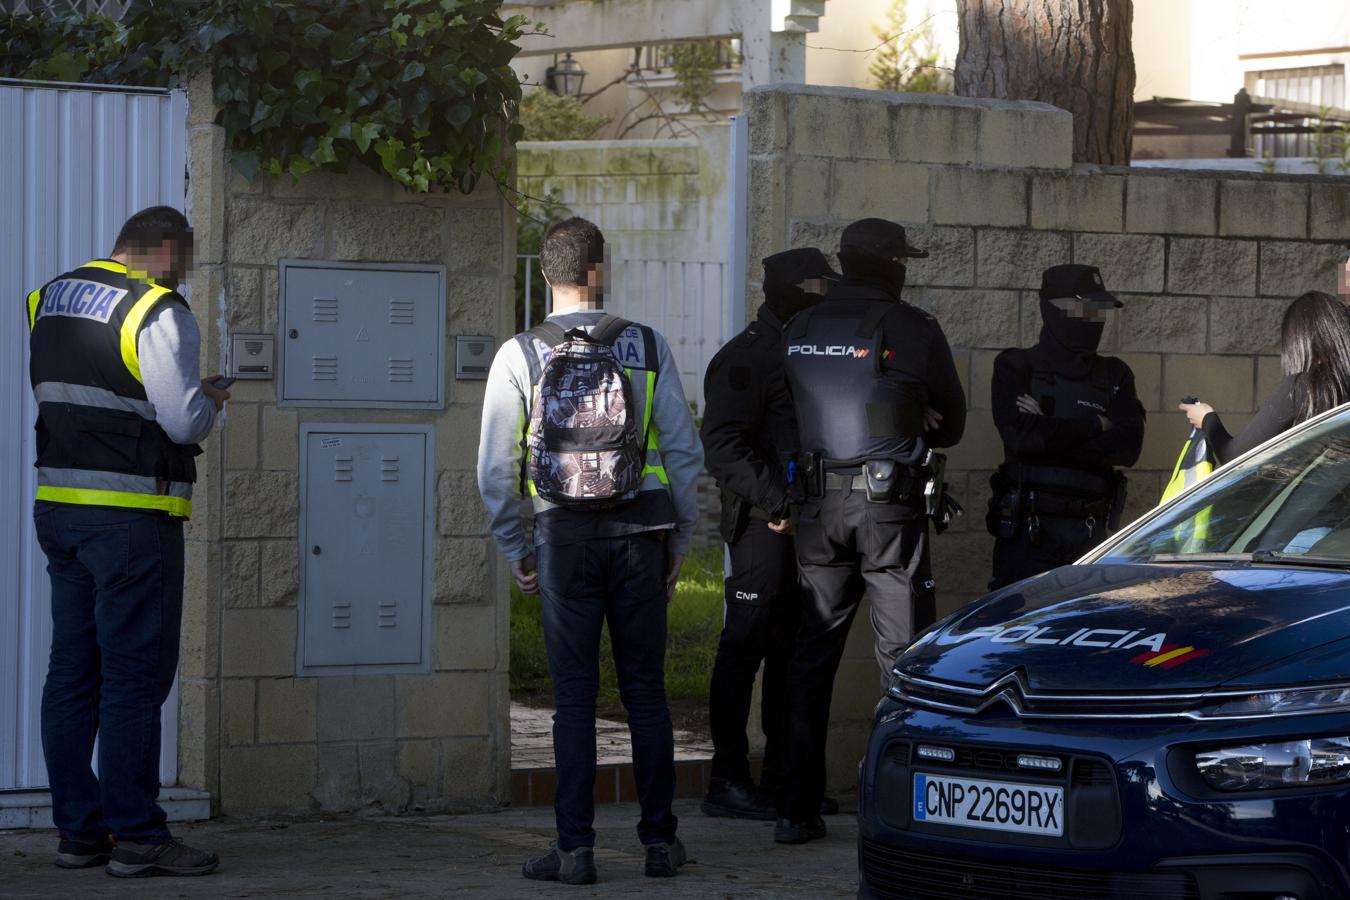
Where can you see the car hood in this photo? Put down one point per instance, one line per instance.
(1132, 627)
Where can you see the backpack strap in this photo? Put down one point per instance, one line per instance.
(609, 329)
(551, 334)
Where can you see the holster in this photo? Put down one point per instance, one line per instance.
(735, 516)
(1006, 509)
(811, 471)
(883, 478)
(1120, 492)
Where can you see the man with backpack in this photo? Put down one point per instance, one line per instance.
(585, 417)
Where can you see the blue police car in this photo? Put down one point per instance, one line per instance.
(1168, 718)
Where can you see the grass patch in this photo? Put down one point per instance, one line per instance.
(694, 623)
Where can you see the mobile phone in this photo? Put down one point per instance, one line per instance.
(222, 382)
(1189, 398)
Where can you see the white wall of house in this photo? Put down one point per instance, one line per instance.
(1207, 49)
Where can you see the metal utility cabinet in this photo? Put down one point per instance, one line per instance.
(366, 536)
(362, 335)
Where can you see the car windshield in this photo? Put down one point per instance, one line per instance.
(1288, 504)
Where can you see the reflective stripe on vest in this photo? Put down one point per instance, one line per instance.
(131, 328)
(87, 487)
(84, 395)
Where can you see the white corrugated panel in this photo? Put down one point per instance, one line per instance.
(74, 165)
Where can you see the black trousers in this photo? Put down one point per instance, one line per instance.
(1054, 542)
(763, 599)
(848, 547)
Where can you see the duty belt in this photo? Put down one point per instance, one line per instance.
(1068, 507)
(836, 481)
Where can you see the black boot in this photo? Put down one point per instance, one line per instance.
(737, 800)
(788, 831)
(829, 806)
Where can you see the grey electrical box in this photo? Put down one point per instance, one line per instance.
(473, 356)
(251, 356)
(362, 335)
(366, 548)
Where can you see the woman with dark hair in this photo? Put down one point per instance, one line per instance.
(1315, 357)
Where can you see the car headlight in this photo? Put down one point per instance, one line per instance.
(1316, 762)
(1306, 701)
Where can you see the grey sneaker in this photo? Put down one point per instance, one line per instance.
(569, 867)
(663, 860)
(82, 854)
(130, 860)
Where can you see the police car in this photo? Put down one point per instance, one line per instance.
(1170, 717)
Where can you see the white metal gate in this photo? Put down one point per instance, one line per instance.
(74, 165)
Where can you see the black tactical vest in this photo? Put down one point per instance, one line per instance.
(98, 443)
(849, 408)
(1061, 395)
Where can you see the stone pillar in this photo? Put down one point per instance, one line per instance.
(261, 738)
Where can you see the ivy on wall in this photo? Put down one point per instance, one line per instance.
(422, 89)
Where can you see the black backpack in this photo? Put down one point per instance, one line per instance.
(585, 447)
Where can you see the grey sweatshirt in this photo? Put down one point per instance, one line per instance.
(506, 408)
(169, 346)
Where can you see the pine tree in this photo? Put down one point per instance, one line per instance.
(907, 59)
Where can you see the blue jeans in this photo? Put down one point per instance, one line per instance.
(117, 605)
(582, 585)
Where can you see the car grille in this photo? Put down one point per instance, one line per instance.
(905, 875)
(1011, 691)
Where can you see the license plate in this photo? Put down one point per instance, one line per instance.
(996, 805)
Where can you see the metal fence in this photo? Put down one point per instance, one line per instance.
(687, 301)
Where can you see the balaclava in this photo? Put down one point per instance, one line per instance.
(783, 276)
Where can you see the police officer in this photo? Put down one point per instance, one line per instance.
(1068, 417)
(120, 411)
(749, 431)
(875, 389)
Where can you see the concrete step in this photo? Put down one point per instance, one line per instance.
(33, 809)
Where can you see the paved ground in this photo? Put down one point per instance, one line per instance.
(454, 856)
(532, 740)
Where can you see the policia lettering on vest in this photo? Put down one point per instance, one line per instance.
(875, 391)
(1068, 417)
(121, 408)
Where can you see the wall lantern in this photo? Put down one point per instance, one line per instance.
(565, 76)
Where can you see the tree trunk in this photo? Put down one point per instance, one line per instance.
(1074, 54)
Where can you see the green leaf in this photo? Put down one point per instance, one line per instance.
(364, 134)
(424, 86)
(458, 115)
(306, 79)
(246, 163)
(260, 113)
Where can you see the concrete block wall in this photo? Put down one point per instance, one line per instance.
(263, 740)
(1205, 263)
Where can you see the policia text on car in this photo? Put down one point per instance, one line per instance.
(875, 389)
(1068, 417)
(120, 412)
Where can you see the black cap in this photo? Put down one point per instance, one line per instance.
(878, 239)
(1083, 282)
(795, 266)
